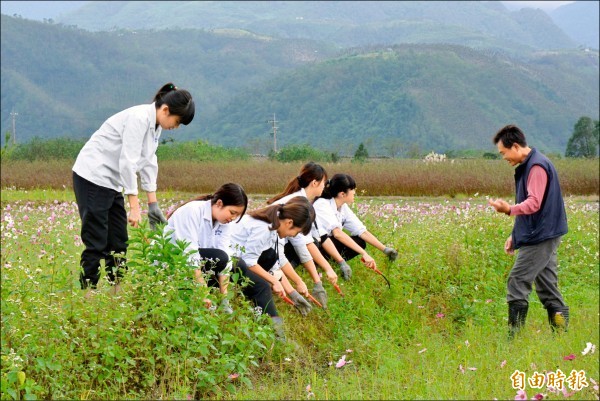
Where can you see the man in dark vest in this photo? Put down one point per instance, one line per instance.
(540, 222)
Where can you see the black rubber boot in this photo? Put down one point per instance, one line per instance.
(517, 313)
(559, 318)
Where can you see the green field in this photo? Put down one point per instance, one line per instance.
(440, 332)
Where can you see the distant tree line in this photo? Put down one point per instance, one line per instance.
(583, 143)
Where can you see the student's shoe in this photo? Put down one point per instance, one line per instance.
(278, 327)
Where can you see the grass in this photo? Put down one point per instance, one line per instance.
(398, 177)
(438, 333)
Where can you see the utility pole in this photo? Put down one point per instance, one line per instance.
(274, 126)
(14, 128)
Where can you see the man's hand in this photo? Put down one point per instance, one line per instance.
(508, 246)
(500, 205)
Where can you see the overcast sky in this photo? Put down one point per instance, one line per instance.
(39, 10)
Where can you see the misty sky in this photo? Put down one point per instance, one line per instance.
(38, 10)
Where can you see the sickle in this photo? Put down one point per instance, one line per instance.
(289, 301)
(314, 300)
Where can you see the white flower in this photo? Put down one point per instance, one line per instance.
(589, 349)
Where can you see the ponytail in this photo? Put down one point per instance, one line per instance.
(310, 171)
(338, 183)
(298, 209)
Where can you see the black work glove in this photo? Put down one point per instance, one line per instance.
(155, 215)
(300, 303)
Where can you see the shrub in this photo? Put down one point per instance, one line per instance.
(300, 153)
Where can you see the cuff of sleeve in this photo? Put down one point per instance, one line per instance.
(149, 187)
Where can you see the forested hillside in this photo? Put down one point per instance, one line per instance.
(432, 97)
(477, 24)
(64, 81)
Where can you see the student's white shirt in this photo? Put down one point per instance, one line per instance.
(300, 241)
(329, 218)
(193, 223)
(251, 237)
(124, 145)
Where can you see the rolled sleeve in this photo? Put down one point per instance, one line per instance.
(133, 137)
(352, 223)
(149, 174)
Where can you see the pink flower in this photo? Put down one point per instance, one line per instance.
(341, 362)
(487, 301)
(569, 357)
(233, 376)
(462, 370)
(473, 369)
(349, 351)
(521, 395)
(503, 363)
(25, 217)
(538, 396)
(566, 394)
(440, 315)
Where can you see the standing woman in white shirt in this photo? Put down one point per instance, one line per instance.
(302, 249)
(107, 166)
(204, 224)
(257, 243)
(334, 216)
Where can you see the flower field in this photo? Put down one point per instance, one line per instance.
(439, 332)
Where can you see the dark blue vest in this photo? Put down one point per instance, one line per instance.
(548, 222)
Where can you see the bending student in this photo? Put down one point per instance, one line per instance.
(334, 216)
(302, 249)
(108, 165)
(204, 223)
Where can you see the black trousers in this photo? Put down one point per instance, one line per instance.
(103, 231)
(259, 290)
(345, 252)
(216, 261)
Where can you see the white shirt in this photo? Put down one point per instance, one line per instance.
(251, 237)
(300, 241)
(330, 217)
(193, 223)
(124, 145)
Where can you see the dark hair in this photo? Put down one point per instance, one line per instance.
(180, 102)
(309, 172)
(510, 135)
(338, 183)
(230, 194)
(299, 209)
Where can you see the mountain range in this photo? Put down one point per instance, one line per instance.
(394, 75)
